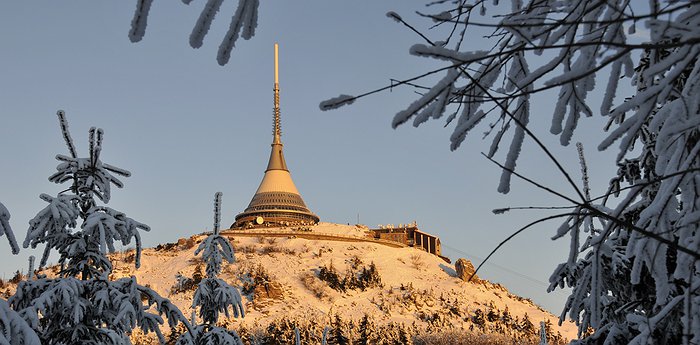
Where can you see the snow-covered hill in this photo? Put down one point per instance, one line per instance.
(279, 275)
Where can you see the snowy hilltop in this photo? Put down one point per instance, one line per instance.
(290, 280)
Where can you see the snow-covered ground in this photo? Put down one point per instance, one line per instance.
(415, 283)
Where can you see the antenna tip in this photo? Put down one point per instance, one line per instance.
(276, 65)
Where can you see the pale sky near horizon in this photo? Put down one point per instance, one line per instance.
(186, 127)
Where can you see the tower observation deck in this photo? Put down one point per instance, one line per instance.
(277, 200)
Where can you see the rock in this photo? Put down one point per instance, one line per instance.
(272, 290)
(266, 295)
(465, 269)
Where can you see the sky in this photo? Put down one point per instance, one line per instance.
(186, 127)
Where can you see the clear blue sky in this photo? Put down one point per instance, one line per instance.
(186, 127)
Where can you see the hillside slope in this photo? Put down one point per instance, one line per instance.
(279, 274)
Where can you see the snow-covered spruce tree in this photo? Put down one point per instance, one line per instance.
(13, 329)
(81, 305)
(213, 295)
(367, 331)
(338, 334)
(633, 265)
(631, 286)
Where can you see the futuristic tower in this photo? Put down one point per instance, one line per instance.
(277, 200)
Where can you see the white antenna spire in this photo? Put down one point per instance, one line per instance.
(276, 131)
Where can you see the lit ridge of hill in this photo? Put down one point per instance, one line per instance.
(279, 275)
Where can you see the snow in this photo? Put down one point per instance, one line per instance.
(140, 20)
(521, 116)
(436, 92)
(337, 102)
(51, 222)
(243, 22)
(6, 230)
(290, 257)
(66, 133)
(204, 22)
(13, 329)
(395, 16)
(450, 55)
(217, 211)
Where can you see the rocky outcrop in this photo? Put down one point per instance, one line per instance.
(465, 269)
(266, 294)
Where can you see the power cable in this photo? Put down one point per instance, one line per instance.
(534, 280)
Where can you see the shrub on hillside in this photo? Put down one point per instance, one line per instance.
(417, 261)
(184, 284)
(369, 277)
(312, 283)
(355, 278)
(129, 257)
(254, 277)
(247, 249)
(274, 248)
(166, 247)
(331, 277)
(280, 332)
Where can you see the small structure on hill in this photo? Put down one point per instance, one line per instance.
(277, 200)
(410, 235)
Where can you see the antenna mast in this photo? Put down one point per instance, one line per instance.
(276, 131)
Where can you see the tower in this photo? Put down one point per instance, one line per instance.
(277, 200)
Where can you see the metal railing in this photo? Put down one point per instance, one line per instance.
(311, 235)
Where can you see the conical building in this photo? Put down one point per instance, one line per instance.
(277, 200)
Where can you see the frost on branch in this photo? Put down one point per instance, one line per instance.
(66, 133)
(140, 20)
(82, 305)
(243, 22)
(51, 226)
(393, 15)
(95, 177)
(13, 329)
(213, 295)
(217, 211)
(337, 102)
(204, 22)
(6, 230)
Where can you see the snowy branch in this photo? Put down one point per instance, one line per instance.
(6, 230)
